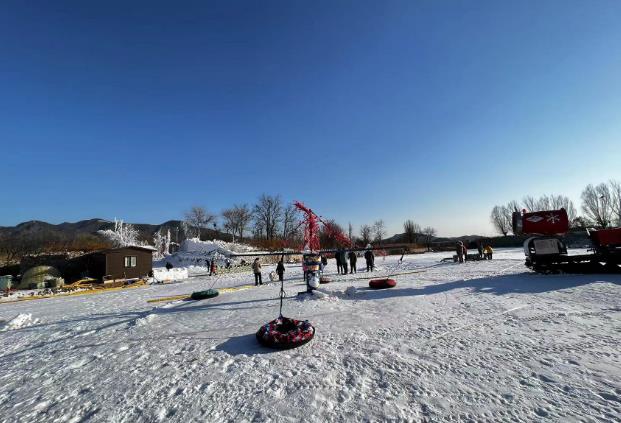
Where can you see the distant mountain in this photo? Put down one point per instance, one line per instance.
(38, 230)
(398, 238)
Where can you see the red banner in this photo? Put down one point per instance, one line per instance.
(549, 222)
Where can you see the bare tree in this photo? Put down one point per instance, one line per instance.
(411, 231)
(244, 216)
(237, 218)
(615, 192)
(429, 234)
(597, 204)
(326, 234)
(290, 222)
(379, 230)
(550, 202)
(501, 220)
(365, 234)
(198, 218)
(513, 206)
(268, 214)
(530, 203)
(229, 221)
(562, 202)
(122, 235)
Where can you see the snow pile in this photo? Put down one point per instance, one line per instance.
(144, 320)
(350, 291)
(226, 248)
(196, 255)
(22, 320)
(161, 274)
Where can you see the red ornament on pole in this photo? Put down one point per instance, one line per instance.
(311, 229)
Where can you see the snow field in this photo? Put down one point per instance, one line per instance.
(482, 341)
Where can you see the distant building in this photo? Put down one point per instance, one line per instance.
(115, 263)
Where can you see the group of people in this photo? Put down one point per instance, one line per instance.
(461, 249)
(342, 257)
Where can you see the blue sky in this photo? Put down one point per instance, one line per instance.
(430, 110)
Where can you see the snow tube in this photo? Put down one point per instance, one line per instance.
(324, 279)
(284, 333)
(382, 283)
(202, 295)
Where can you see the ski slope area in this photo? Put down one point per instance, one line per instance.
(481, 341)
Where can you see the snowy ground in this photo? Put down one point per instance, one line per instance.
(482, 341)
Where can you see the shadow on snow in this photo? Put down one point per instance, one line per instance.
(521, 283)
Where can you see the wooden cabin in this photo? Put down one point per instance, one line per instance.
(115, 263)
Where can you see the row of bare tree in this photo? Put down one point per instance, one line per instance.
(601, 207)
(268, 219)
(271, 219)
(415, 234)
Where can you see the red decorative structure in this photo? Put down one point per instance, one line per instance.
(549, 222)
(311, 229)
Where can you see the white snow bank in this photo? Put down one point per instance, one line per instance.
(161, 274)
(22, 320)
(223, 247)
(196, 255)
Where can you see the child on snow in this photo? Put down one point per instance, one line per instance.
(256, 268)
(280, 269)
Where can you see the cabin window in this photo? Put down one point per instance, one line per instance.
(130, 261)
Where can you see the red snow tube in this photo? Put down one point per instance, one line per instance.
(324, 279)
(382, 283)
(284, 333)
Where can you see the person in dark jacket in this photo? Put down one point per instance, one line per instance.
(352, 262)
(480, 248)
(459, 251)
(339, 265)
(168, 265)
(370, 259)
(280, 269)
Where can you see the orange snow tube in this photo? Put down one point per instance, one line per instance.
(382, 283)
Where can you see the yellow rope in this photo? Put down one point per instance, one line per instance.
(186, 296)
(75, 294)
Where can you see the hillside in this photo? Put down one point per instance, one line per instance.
(39, 230)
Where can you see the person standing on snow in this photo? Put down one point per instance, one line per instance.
(465, 248)
(480, 248)
(352, 262)
(212, 268)
(369, 258)
(280, 269)
(488, 252)
(459, 250)
(343, 258)
(256, 268)
(339, 265)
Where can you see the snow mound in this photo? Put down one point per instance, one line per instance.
(195, 245)
(22, 320)
(161, 274)
(145, 320)
(319, 295)
(351, 291)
